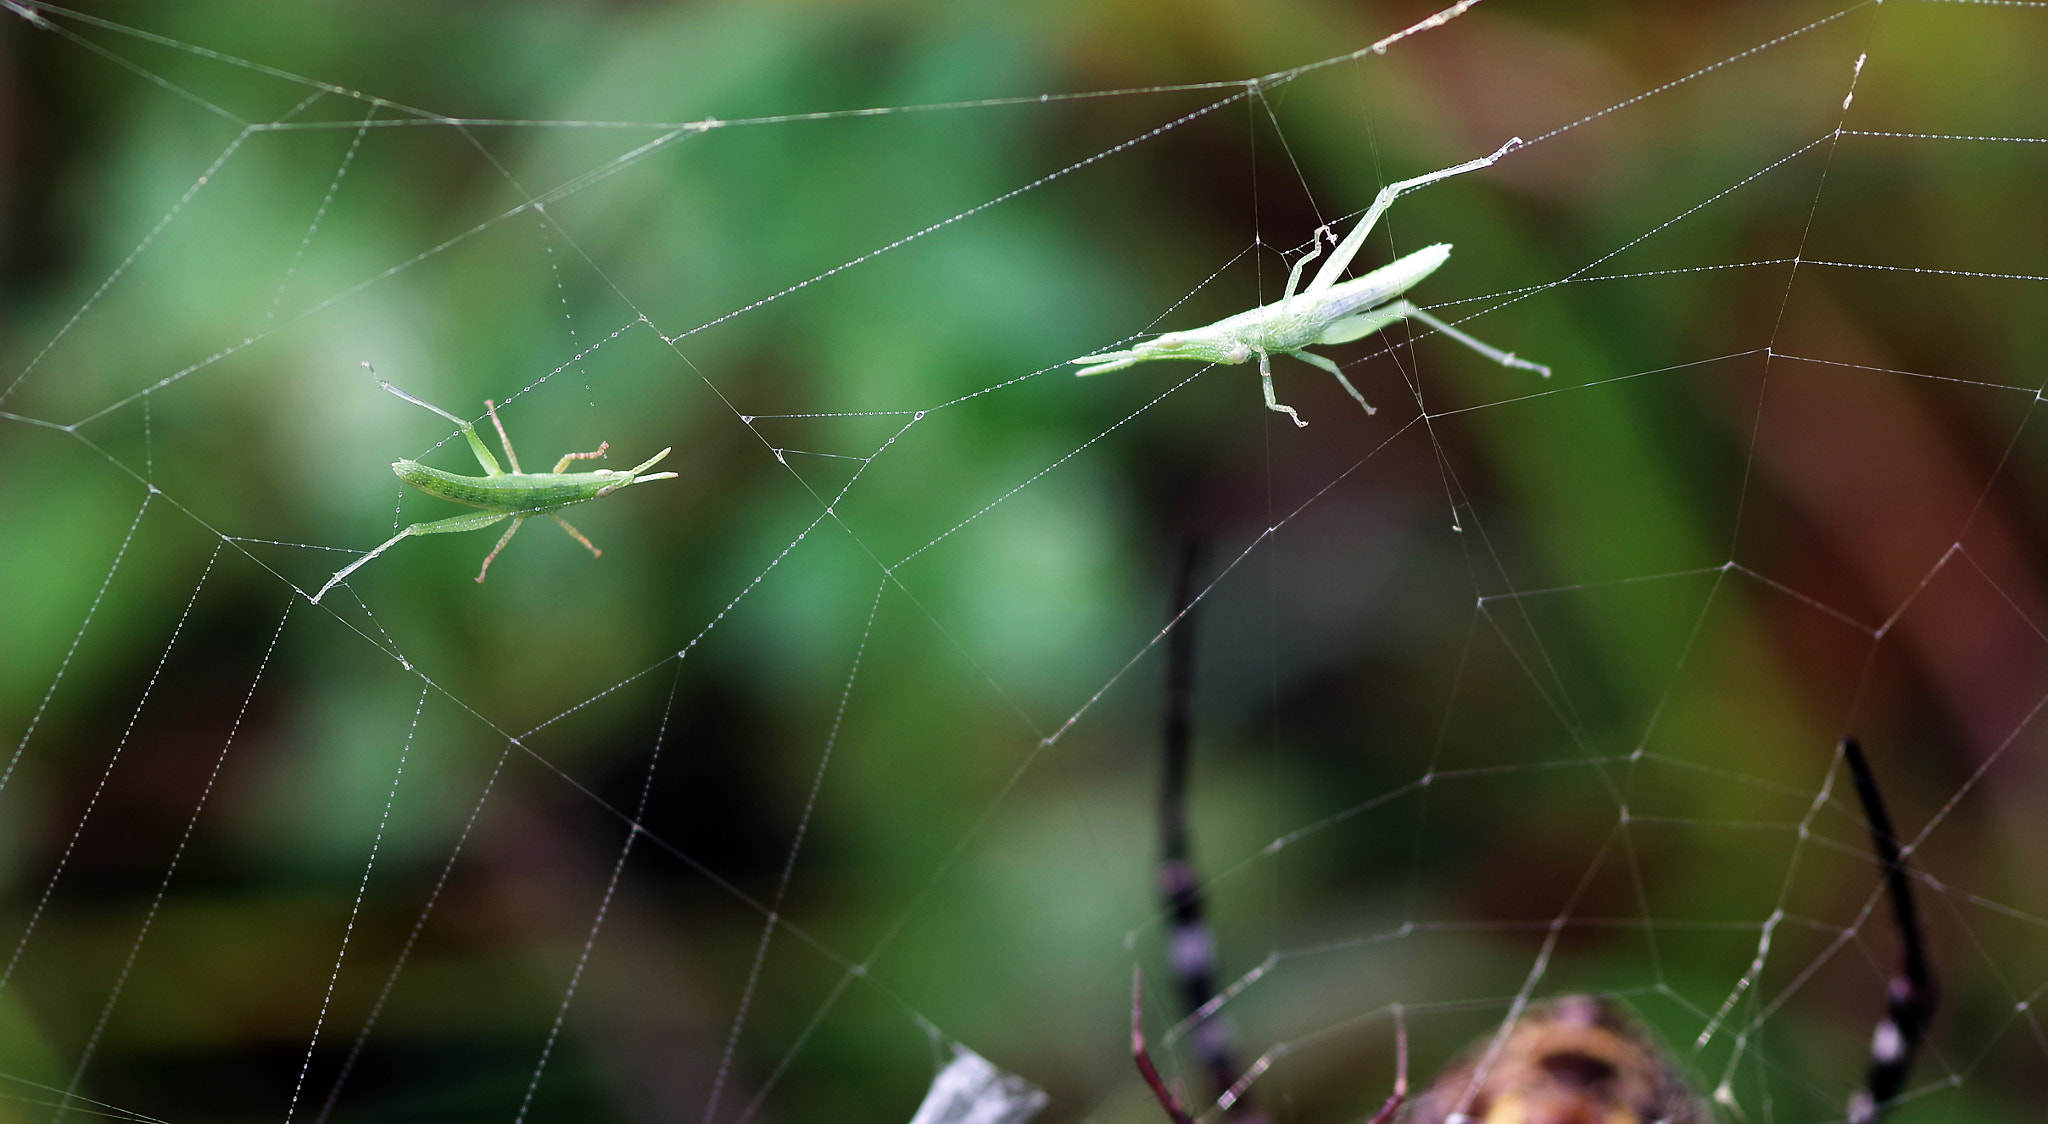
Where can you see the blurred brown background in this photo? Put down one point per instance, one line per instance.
(1759, 505)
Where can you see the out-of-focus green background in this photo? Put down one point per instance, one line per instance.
(1756, 508)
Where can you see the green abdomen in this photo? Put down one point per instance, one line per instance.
(531, 492)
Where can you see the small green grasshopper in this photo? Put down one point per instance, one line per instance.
(1326, 312)
(516, 495)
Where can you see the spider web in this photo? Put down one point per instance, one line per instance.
(843, 752)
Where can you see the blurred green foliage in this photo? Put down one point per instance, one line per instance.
(886, 619)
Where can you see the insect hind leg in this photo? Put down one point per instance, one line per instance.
(342, 574)
(475, 521)
(1504, 358)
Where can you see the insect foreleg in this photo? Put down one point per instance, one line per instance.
(1315, 250)
(1328, 365)
(1266, 384)
(602, 446)
(1354, 241)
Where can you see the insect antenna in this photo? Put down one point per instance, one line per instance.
(1191, 947)
(1913, 994)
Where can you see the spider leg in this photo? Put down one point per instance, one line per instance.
(1143, 1057)
(502, 540)
(1400, 1093)
(1191, 948)
(1266, 384)
(1913, 994)
(602, 447)
(573, 533)
(1327, 364)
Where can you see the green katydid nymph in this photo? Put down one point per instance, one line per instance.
(516, 495)
(1327, 311)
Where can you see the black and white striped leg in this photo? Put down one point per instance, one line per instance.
(1912, 995)
(1191, 949)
